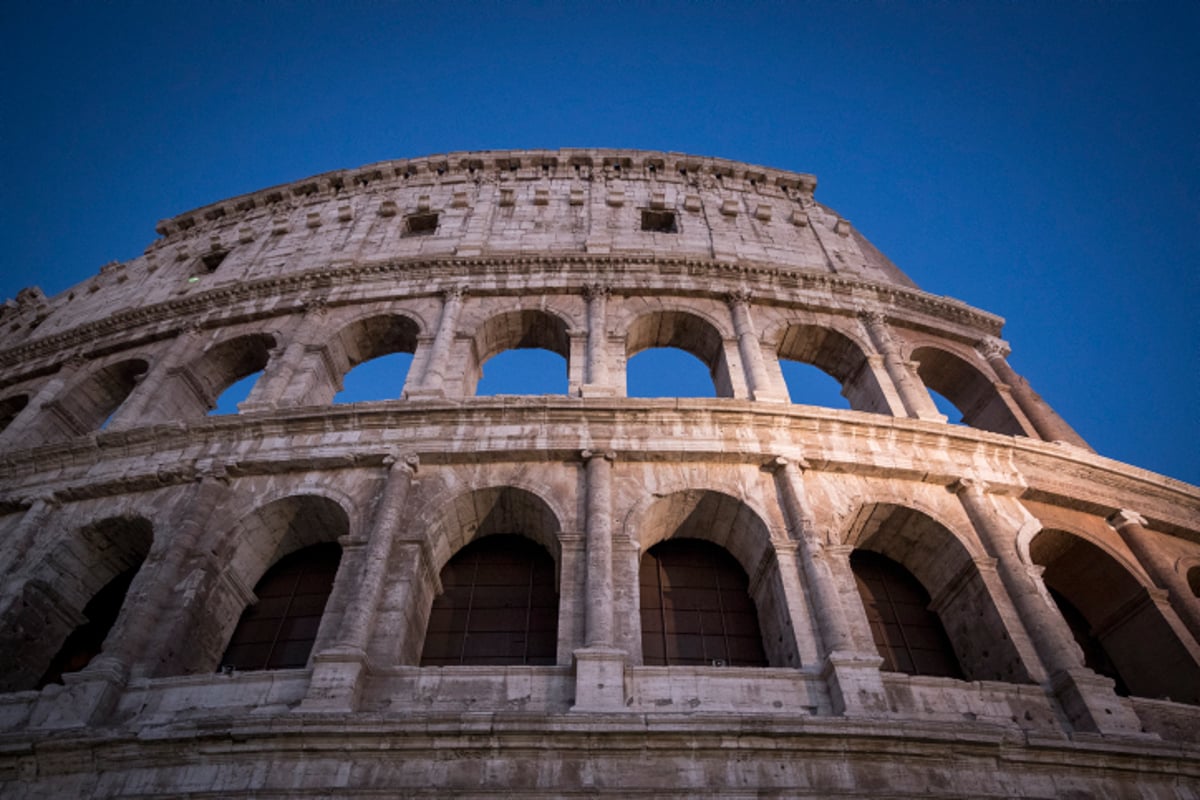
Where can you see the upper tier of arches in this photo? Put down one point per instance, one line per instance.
(301, 358)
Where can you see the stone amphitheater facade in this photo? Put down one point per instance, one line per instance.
(570, 594)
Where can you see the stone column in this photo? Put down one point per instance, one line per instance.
(337, 672)
(1048, 424)
(1088, 699)
(21, 540)
(1132, 528)
(596, 378)
(598, 616)
(149, 629)
(757, 380)
(278, 385)
(855, 685)
(151, 621)
(28, 416)
(913, 395)
(599, 667)
(137, 408)
(432, 382)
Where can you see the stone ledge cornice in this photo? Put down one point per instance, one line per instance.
(833, 441)
(370, 737)
(568, 274)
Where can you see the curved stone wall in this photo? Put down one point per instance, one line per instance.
(1063, 582)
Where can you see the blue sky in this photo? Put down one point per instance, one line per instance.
(1037, 160)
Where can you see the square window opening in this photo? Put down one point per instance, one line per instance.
(422, 224)
(659, 221)
(210, 261)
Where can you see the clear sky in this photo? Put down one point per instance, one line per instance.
(1040, 160)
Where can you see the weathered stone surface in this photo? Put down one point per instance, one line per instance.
(1066, 583)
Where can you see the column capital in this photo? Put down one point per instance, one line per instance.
(607, 455)
(404, 461)
(781, 462)
(455, 292)
(740, 295)
(1124, 518)
(969, 485)
(596, 290)
(872, 316)
(317, 306)
(992, 348)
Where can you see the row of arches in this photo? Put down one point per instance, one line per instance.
(706, 586)
(385, 355)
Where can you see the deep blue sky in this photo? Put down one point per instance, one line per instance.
(1037, 160)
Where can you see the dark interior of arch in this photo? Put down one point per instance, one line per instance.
(278, 631)
(10, 407)
(86, 641)
(67, 609)
(1120, 616)
(909, 636)
(696, 607)
(498, 606)
(1095, 657)
(971, 392)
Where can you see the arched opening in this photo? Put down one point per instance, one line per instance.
(71, 602)
(722, 538)
(685, 332)
(667, 372)
(948, 585)
(490, 543)
(10, 407)
(811, 386)
(86, 405)
(908, 635)
(524, 371)
(696, 607)
(255, 552)
(530, 329)
(87, 640)
(235, 394)
(814, 360)
(1193, 579)
(380, 378)
(968, 389)
(202, 385)
(498, 606)
(279, 629)
(1115, 619)
(378, 353)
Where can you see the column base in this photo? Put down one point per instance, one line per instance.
(855, 685)
(84, 699)
(337, 681)
(1092, 706)
(425, 394)
(599, 679)
(596, 390)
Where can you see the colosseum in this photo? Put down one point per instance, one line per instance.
(452, 594)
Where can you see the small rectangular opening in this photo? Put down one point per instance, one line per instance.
(213, 260)
(659, 221)
(420, 224)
